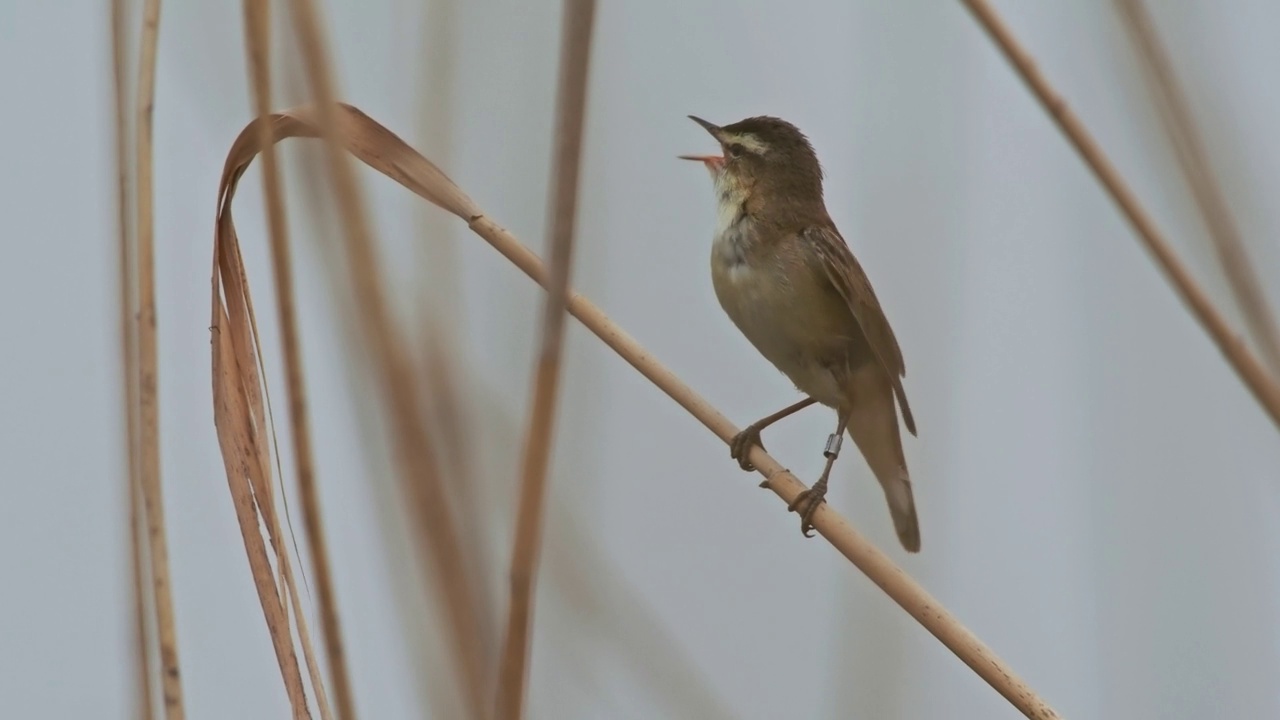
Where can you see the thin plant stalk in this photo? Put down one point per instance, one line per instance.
(129, 365)
(258, 25)
(575, 53)
(1189, 148)
(148, 371)
(1251, 372)
(419, 467)
(142, 649)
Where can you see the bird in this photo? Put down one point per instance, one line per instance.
(787, 279)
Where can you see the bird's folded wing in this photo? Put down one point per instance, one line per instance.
(850, 281)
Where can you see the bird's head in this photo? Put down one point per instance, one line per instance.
(762, 154)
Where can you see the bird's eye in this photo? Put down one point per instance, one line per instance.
(735, 150)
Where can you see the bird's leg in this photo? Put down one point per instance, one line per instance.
(807, 502)
(740, 444)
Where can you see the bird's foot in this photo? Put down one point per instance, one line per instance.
(740, 446)
(807, 502)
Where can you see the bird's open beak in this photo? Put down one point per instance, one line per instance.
(714, 163)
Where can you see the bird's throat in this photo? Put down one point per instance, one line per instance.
(733, 234)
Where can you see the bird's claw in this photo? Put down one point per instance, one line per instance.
(740, 446)
(806, 503)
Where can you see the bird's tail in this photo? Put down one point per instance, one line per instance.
(902, 508)
(873, 425)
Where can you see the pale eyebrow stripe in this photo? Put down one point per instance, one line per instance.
(750, 142)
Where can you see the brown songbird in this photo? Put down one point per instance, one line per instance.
(786, 278)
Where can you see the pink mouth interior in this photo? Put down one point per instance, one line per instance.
(715, 162)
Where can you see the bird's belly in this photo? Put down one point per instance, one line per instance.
(784, 324)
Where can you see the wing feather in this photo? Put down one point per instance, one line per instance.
(846, 275)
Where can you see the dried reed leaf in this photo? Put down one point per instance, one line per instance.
(258, 33)
(254, 423)
(1255, 377)
(1180, 125)
(428, 502)
(308, 652)
(235, 383)
(382, 150)
(571, 103)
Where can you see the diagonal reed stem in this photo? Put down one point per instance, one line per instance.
(1184, 135)
(148, 370)
(575, 53)
(384, 151)
(258, 27)
(853, 545)
(1251, 372)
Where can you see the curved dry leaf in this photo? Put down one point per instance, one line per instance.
(428, 501)
(241, 453)
(363, 137)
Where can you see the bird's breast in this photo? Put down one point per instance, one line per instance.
(779, 307)
(754, 289)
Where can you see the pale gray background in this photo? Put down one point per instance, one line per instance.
(1097, 491)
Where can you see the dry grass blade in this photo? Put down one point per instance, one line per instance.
(400, 386)
(571, 104)
(1180, 126)
(383, 151)
(258, 26)
(1251, 372)
(239, 422)
(149, 404)
(129, 364)
(242, 418)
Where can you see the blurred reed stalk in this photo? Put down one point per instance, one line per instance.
(430, 506)
(127, 272)
(1264, 388)
(258, 34)
(246, 437)
(1180, 126)
(379, 148)
(137, 257)
(571, 100)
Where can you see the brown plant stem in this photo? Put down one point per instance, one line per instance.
(575, 53)
(419, 466)
(148, 372)
(258, 26)
(129, 366)
(1184, 135)
(1251, 372)
(142, 650)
